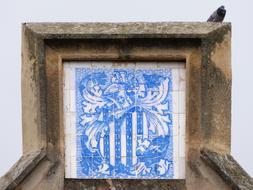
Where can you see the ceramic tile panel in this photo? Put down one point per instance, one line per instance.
(124, 120)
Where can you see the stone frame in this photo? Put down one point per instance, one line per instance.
(205, 47)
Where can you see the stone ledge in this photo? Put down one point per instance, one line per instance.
(125, 30)
(21, 169)
(226, 166)
(120, 184)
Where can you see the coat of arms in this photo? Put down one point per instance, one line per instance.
(124, 123)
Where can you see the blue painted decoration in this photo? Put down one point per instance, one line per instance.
(124, 123)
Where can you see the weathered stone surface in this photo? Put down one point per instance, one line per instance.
(228, 169)
(200, 45)
(124, 184)
(125, 30)
(216, 84)
(21, 169)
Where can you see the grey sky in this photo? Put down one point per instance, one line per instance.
(14, 12)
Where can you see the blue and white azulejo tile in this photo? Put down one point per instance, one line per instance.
(123, 122)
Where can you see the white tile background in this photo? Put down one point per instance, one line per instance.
(178, 96)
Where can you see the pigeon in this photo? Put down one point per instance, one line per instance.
(218, 15)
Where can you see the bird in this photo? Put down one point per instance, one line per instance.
(218, 15)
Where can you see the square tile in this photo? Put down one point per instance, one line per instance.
(175, 79)
(181, 146)
(181, 171)
(66, 73)
(84, 167)
(182, 124)
(182, 102)
(175, 124)
(66, 101)
(72, 101)
(182, 79)
(175, 102)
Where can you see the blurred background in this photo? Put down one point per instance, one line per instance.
(15, 12)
